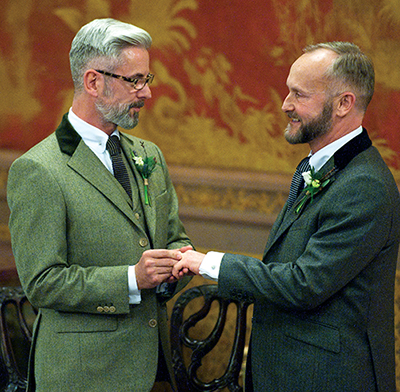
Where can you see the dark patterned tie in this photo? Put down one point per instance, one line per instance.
(297, 181)
(120, 173)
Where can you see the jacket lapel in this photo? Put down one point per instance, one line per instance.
(336, 163)
(287, 218)
(128, 145)
(85, 163)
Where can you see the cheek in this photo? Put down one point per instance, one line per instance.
(309, 111)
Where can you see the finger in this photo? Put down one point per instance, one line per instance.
(160, 263)
(164, 271)
(175, 254)
(164, 278)
(176, 273)
(186, 248)
(171, 279)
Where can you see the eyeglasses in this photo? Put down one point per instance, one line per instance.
(136, 83)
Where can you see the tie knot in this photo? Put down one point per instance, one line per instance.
(113, 145)
(304, 165)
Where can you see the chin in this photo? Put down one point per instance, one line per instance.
(293, 137)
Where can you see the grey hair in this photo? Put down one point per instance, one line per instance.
(351, 69)
(100, 44)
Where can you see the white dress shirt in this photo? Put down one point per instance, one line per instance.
(96, 140)
(209, 267)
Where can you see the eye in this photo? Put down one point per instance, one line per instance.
(134, 82)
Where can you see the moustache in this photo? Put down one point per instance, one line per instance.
(294, 116)
(139, 104)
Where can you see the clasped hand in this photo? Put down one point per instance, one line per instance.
(158, 266)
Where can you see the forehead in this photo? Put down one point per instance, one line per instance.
(135, 60)
(308, 71)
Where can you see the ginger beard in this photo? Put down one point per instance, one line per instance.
(312, 129)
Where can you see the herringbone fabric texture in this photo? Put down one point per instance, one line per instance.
(120, 173)
(297, 181)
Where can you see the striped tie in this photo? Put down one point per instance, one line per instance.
(297, 181)
(120, 173)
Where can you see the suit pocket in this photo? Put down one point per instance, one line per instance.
(316, 334)
(78, 323)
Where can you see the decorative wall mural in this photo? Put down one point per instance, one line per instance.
(220, 69)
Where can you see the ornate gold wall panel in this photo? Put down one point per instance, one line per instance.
(220, 68)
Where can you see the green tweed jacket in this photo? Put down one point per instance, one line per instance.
(74, 233)
(324, 292)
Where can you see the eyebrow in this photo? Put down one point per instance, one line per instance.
(137, 75)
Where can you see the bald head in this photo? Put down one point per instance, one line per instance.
(351, 70)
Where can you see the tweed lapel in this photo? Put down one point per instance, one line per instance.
(128, 145)
(336, 163)
(86, 164)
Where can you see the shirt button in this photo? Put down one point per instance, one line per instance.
(137, 216)
(143, 242)
(153, 323)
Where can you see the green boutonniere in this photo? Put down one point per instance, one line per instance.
(315, 183)
(145, 167)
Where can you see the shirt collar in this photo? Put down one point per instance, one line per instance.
(319, 159)
(93, 137)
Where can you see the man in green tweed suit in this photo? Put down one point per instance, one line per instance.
(323, 293)
(94, 256)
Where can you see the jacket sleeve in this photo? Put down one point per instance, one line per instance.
(38, 226)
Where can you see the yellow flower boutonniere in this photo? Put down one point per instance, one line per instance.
(145, 167)
(315, 183)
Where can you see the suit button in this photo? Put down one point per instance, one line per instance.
(112, 309)
(106, 309)
(153, 323)
(137, 216)
(100, 309)
(143, 242)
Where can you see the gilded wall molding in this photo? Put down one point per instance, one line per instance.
(225, 195)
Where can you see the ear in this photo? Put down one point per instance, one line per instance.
(92, 82)
(345, 103)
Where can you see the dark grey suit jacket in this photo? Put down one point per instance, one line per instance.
(324, 292)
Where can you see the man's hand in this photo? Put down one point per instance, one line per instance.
(172, 278)
(188, 265)
(155, 267)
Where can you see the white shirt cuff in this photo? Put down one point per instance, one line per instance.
(134, 292)
(209, 267)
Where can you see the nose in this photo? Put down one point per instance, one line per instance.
(144, 93)
(287, 105)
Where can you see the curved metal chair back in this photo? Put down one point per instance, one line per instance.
(186, 376)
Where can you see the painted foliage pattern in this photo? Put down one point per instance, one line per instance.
(220, 72)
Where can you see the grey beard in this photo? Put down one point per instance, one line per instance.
(118, 114)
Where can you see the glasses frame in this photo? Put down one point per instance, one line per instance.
(147, 80)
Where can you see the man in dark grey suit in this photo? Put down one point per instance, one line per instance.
(323, 293)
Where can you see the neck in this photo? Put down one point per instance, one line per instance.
(338, 130)
(87, 112)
